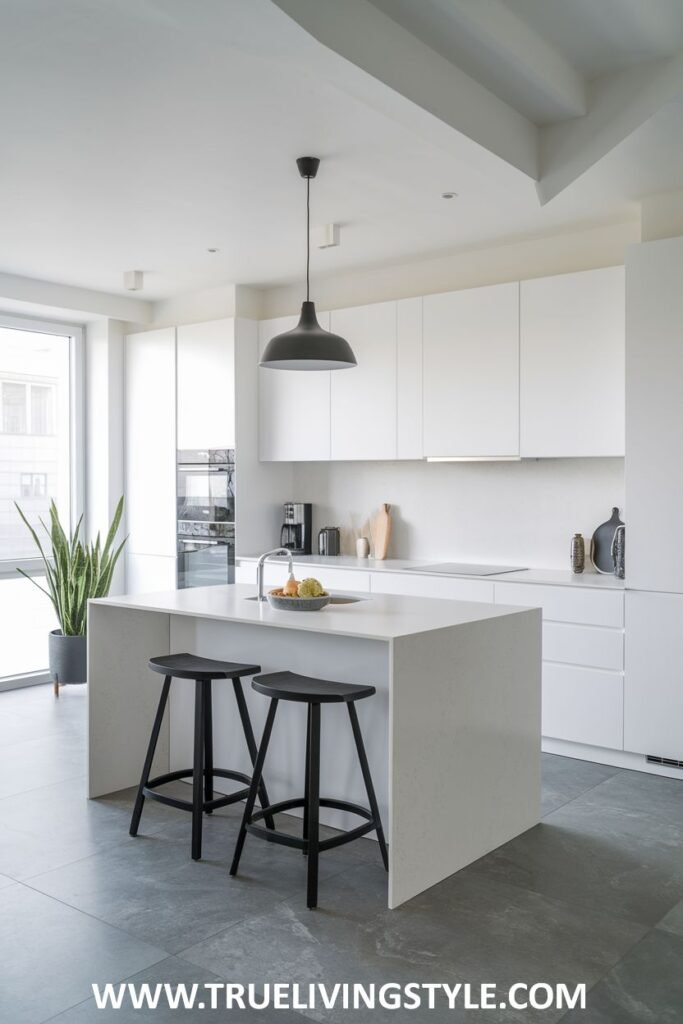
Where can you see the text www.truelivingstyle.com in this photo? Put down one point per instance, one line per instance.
(341, 995)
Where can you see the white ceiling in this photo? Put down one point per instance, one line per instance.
(138, 133)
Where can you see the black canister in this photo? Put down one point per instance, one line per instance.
(329, 541)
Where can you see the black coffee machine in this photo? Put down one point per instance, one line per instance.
(296, 532)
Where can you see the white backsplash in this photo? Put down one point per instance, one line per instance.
(513, 513)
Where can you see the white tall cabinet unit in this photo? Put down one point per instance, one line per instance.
(572, 365)
(206, 384)
(150, 457)
(471, 372)
(653, 714)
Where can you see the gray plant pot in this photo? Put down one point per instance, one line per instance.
(68, 657)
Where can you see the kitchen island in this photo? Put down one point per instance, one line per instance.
(453, 734)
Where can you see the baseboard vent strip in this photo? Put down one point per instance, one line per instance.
(665, 762)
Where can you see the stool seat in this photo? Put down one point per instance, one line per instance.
(189, 666)
(308, 689)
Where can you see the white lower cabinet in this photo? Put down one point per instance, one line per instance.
(653, 707)
(414, 585)
(275, 574)
(583, 660)
(583, 705)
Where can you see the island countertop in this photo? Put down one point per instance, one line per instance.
(373, 617)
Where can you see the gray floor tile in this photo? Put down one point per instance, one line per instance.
(172, 971)
(51, 954)
(673, 921)
(646, 987)
(595, 856)
(57, 825)
(462, 930)
(151, 887)
(35, 763)
(641, 800)
(565, 778)
(5, 881)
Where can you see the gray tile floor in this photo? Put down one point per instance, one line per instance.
(594, 894)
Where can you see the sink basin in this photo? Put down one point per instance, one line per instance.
(337, 599)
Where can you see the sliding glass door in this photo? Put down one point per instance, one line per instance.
(38, 445)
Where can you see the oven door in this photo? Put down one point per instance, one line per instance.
(205, 562)
(206, 494)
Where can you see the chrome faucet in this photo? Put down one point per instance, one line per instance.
(261, 563)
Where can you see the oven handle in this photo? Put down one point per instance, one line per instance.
(203, 543)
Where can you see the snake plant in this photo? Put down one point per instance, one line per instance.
(75, 571)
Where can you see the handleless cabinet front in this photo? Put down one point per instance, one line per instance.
(471, 373)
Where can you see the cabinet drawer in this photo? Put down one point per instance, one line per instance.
(413, 585)
(583, 705)
(585, 606)
(590, 646)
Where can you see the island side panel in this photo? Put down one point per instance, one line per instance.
(465, 746)
(123, 695)
(340, 658)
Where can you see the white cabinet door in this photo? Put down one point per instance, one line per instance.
(583, 705)
(294, 405)
(364, 397)
(471, 372)
(148, 574)
(206, 385)
(572, 345)
(150, 442)
(654, 417)
(409, 444)
(653, 693)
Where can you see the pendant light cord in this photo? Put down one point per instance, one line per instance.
(308, 237)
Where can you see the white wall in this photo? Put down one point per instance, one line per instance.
(515, 513)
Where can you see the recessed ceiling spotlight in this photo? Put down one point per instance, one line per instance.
(449, 195)
(213, 250)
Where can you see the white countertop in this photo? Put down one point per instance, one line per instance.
(375, 617)
(546, 577)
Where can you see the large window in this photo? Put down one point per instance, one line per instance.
(37, 445)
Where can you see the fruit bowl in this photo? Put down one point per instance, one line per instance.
(284, 603)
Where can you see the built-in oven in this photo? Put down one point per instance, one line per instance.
(206, 559)
(206, 485)
(206, 517)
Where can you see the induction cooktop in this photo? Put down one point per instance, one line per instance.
(463, 569)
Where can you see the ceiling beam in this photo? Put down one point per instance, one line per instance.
(374, 42)
(618, 105)
(29, 292)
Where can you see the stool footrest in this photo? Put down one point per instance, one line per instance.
(284, 839)
(150, 790)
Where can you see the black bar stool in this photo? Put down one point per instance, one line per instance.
(203, 671)
(313, 692)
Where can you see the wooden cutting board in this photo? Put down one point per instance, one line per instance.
(381, 532)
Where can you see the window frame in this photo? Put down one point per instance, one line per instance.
(76, 341)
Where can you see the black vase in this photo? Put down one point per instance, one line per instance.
(602, 555)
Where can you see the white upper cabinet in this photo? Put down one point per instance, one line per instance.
(294, 405)
(364, 397)
(654, 428)
(572, 364)
(150, 450)
(409, 442)
(206, 385)
(471, 372)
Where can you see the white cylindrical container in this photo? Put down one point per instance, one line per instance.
(362, 547)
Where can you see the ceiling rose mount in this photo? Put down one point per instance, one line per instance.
(308, 346)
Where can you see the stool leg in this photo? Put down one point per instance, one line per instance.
(251, 744)
(198, 770)
(307, 775)
(312, 800)
(208, 744)
(254, 788)
(367, 779)
(149, 757)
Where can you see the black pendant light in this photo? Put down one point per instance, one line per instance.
(308, 346)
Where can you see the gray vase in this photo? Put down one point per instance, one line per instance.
(68, 657)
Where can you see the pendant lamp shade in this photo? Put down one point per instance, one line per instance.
(308, 346)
